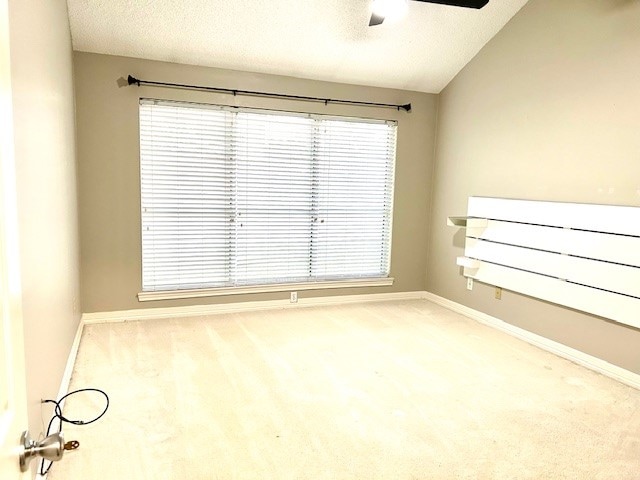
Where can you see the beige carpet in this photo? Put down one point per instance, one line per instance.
(389, 390)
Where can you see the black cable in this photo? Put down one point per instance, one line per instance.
(57, 413)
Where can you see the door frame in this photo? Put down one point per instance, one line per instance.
(13, 410)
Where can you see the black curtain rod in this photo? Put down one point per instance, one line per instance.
(132, 80)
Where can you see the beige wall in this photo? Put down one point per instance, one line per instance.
(549, 110)
(43, 104)
(108, 156)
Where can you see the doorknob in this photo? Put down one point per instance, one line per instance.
(51, 448)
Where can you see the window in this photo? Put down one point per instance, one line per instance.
(237, 197)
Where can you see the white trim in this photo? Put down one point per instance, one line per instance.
(66, 378)
(278, 287)
(589, 361)
(71, 361)
(593, 363)
(194, 310)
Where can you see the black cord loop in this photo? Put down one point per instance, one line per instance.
(57, 413)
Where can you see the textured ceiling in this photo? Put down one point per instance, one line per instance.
(317, 39)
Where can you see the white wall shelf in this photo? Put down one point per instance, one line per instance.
(467, 262)
(582, 256)
(467, 222)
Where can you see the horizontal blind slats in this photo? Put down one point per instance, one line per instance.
(241, 197)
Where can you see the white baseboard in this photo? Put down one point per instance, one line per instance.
(71, 361)
(195, 310)
(66, 378)
(593, 363)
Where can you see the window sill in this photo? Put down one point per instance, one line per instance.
(281, 287)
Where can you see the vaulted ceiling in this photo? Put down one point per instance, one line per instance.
(318, 39)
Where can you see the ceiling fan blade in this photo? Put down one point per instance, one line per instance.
(458, 3)
(376, 19)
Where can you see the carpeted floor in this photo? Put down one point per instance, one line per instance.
(389, 390)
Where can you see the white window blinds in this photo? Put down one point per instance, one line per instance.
(234, 197)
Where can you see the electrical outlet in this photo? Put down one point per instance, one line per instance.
(294, 297)
(498, 293)
(469, 283)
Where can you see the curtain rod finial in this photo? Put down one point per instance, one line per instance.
(406, 107)
(133, 80)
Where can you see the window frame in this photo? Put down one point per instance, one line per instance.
(347, 282)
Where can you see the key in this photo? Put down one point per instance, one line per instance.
(71, 445)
